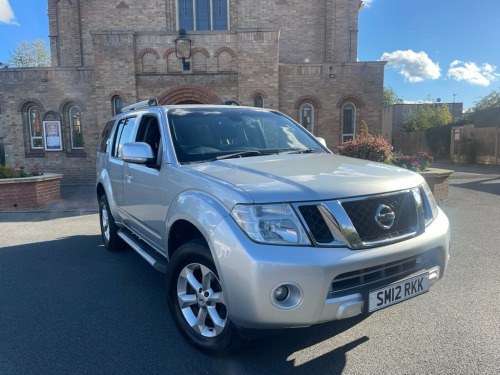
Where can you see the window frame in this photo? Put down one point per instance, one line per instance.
(254, 99)
(349, 136)
(31, 125)
(194, 26)
(114, 107)
(301, 111)
(72, 129)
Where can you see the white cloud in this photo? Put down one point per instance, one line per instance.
(6, 13)
(367, 3)
(415, 66)
(473, 74)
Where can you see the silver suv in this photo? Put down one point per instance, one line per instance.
(257, 225)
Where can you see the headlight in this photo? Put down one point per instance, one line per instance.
(270, 223)
(430, 205)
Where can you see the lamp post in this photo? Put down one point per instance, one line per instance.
(183, 49)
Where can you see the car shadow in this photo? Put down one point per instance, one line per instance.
(488, 185)
(71, 306)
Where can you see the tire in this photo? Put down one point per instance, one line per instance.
(109, 230)
(192, 282)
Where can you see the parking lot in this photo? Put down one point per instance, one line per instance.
(69, 306)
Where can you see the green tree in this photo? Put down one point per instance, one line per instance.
(390, 97)
(426, 117)
(492, 100)
(30, 54)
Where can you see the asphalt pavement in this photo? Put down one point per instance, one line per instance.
(69, 306)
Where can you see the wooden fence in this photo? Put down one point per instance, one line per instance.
(462, 145)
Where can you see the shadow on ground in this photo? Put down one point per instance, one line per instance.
(70, 306)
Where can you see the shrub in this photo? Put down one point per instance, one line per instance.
(368, 147)
(6, 171)
(418, 162)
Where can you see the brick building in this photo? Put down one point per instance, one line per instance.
(296, 56)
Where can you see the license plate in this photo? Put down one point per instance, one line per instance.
(398, 292)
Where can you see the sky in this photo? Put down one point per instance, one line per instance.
(446, 49)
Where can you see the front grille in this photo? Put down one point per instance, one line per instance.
(362, 215)
(357, 281)
(316, 224)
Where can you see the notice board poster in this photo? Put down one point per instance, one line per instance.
(52, 134)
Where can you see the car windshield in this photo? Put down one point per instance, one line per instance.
(214, 133)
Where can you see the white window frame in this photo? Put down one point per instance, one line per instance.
(195, 26)
(70, 115)
(353, 134)
(32, 137)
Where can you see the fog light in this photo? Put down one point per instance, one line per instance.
(281, 293)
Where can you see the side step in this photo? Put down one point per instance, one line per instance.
(144, 250)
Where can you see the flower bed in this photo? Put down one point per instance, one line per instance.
(29, 191)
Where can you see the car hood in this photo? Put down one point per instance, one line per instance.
(308, 177)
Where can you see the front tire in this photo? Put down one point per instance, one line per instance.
(109, 230)
(197, 301)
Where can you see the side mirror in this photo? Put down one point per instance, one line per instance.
(138, 153)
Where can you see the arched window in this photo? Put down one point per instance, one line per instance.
(258, 101)
(36, 136)
(75, 127)
(117, 103)
(348, 122)
(307, 117)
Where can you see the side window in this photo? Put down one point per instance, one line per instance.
(106, 133)
(123, 135)
(149, 132)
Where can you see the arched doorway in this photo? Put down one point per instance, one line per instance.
(189, 102)
(188, 94)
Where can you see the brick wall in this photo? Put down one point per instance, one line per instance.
(29, 192)
(289, 51)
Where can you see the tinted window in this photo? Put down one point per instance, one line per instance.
(123, 135)
(202, 134)
(106, 133)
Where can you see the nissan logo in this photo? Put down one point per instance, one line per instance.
(385, 217)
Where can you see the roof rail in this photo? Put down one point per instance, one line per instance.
(145, 103)
(229, 102)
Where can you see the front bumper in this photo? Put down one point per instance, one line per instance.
(250, 272)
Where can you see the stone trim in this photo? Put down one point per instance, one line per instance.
(117, 93)
(351, 98)
(224, 49)
(68, 101)
(24, 104)
(308, 99)
(200, 49)
(168, 52)
(148, 50)
(258, 92)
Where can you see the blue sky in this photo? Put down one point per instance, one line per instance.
(434, 48)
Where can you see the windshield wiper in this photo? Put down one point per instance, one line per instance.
(299, 151)
(241, 154)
